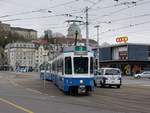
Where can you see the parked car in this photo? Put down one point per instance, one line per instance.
(144, 74)
(108, 77)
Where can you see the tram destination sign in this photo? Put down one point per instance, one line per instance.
(80, 50)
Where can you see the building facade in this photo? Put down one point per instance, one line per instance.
(20, 54)
(28, 34)
(41, 55)
(72, 30)
(48, 34)
(130, 58)
(6, 30)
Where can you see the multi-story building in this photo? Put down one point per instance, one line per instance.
(48, 34)
(130, 58)
(6, 30)
(28, 34)
(41, 55)
(20, 54)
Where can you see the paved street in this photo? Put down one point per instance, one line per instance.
(25, 94)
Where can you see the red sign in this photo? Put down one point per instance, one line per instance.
(122, 39)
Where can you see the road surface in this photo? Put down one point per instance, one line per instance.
(25, 94)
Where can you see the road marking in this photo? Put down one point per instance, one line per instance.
(34, 91)
(52, 96)
(12, 82)
(16, 106)
(146, 85)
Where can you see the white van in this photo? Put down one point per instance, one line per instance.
(108, 77)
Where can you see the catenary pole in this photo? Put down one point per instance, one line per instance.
(87, 30)
(97, 27)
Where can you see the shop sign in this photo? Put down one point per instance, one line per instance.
(123, 39)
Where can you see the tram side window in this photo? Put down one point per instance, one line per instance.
(48, 67)
(91, 65)
(59, 65)
(52, 67)
(55, 63)
(62, 66)
(96, 64)
(58, 68)
(68, 65)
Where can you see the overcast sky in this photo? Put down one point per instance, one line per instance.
(123, 18)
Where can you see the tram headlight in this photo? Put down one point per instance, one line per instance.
(81, 81)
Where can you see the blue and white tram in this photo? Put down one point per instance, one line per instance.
(72, 71)
(45, 71)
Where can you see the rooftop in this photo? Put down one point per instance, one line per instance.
(124, 44)
(23, 29)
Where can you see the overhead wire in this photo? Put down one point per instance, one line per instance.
(83, 10)
(125, 27)
(120, 10)
(128, 18)
(124, 9)
(94, 3)
(22, 13)
(43, 17)
(31, 18)
(91, 6)
(63, 4)
(132, 32)
(111, 6)
(39, 10)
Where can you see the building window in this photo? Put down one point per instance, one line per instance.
(91, 65)
(149, 51)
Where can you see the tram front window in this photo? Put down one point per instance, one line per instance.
(80, 65)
